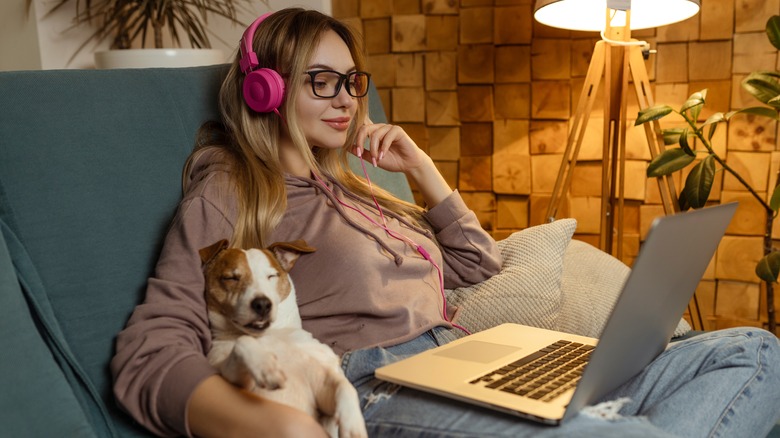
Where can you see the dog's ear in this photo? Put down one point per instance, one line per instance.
(209, 252)
(288, 252)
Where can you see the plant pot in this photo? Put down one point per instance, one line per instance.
(150, 58)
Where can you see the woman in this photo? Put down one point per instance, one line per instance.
(373, 289)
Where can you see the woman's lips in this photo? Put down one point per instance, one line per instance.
(339, 123)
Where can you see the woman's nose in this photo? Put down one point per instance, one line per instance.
(343, 99)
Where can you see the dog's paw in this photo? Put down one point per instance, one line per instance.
(261, 364)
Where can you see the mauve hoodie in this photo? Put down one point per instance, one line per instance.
(359, 289)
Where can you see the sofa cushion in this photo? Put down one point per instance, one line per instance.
(37, 400)
(528, 288)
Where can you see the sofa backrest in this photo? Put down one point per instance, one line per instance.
(90, 165)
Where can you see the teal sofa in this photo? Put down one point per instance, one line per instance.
(90, 176)
(90, 165)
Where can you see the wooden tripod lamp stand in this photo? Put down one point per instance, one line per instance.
(619, 60)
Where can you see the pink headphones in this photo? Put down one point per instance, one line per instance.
(263, 88)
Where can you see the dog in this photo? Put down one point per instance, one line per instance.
(258, 340)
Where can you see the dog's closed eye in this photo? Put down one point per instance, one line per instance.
(270, 276)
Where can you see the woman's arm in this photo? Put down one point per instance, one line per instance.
(219, 409)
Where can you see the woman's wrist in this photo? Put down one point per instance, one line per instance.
(429, 181)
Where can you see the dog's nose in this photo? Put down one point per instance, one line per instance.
(261, 306)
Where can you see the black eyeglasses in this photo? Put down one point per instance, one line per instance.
(327, 83)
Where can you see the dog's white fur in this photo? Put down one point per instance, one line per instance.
(259, 343)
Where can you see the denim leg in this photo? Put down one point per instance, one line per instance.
(392, 411)
(718, 384)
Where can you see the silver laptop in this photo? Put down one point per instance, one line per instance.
(549, 376)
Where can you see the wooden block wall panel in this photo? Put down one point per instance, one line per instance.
(737, 300)
(718, 96)
(440, 68)
(762, 303)
(753, 52)
(672, 94)
(750, 218)
(345, 8)
(513, 64)
(375, 8)
(717, 20)
(406, 7)
(752, 133)
(630, 247)
(636, 179)
(548, 137)
(408, 104)
(419, 134)
(449, 170)
(539, 203)
(440, 7)
(647, 214)
(472, 3)
(385, 95)
(590, 239)
(680, 31)
(476, 139)
(409, 70)
(653, 195)
(592, 142)
(512, 2)
(581, 54)
(382, 68)
(475, 174)
(587, 211)
(719, 142)
(408, 33)
(550, 100)
(511, 157)
(751, 15)
(476, 25)
(544, 170)
(637, 147)
(441, 108)
(705, 296)
(671, 64)
(512, 101)
(511, 173)
(475, 64)
(475, 103)
(513, 25)
(512, 212)
(631, 218)
(710, 60)
(484, 205)
(376, 33)
(441, 32)
(737, 257)
(550, 59)
(586, 179)
(444, 143)
(355, 23)
(752, 166)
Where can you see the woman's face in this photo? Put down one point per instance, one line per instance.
(325, 120)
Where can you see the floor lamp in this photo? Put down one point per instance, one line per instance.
(619, 60)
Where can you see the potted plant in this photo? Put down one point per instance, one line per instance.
(764, 86)
(130, 23)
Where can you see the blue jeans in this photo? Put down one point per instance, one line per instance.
(718, 384)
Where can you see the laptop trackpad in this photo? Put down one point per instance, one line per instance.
(477, 351)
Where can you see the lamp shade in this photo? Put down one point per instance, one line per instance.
(590, 15)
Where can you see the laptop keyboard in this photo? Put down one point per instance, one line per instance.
(542, 375)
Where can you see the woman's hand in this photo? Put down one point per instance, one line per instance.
(391, 149)
(219, 409)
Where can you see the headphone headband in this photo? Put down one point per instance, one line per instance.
(248, 60)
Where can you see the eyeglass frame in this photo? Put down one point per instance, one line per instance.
(343, 79)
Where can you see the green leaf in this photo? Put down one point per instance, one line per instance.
(684, 143)
(667, 162)
(773, 31)
(774, 202)
(682, 201)
(714, 119)
(762, 111)
(695, 103)
(768, 267)
(762, 86)
(672, 135)
(699, 182)
(654, 112)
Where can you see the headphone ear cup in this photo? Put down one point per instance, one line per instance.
(263, 90)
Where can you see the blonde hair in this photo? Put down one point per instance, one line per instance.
(247, 141)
